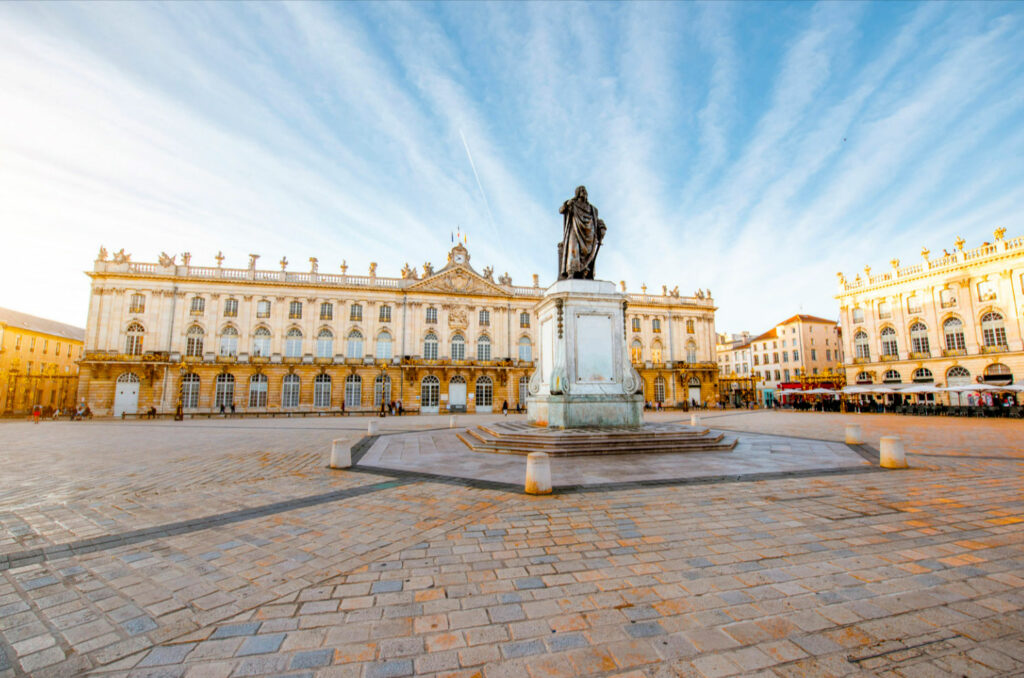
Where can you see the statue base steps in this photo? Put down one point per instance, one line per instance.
(521, 438)
(575, 411)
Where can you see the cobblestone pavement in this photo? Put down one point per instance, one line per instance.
(249, 557)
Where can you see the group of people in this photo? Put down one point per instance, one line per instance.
(393, 408)
(40, 412)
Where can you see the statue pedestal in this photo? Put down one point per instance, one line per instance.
(584, 377)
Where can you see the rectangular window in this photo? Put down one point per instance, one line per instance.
(56, 349)
(785, 374)
(295, 310)
(785, 356)
(858, 315)
(231, 308)
(46, 345)
(524, 319)
(756, 361)
(777, 377)
(913, 305)
(796, 356)
(17, 342)
(198, 306)
(431, 315)
(326, 311)
(828, 354)
(32, 344)
(636, 324)
(355, 312)
(138, 304)
(385, 314)
(775, 357)
(690, 326)
(814, 354)
(656, 325)
(485, 318)
(947, 298)
(263, 309)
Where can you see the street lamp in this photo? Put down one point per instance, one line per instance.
(179, 410)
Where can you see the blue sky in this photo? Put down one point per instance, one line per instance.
(753, 149)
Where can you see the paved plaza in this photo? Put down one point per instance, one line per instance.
(227, 548)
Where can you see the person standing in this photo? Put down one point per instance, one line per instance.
(504, 407)
(37, 412)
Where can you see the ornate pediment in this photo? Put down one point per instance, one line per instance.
(459, 279)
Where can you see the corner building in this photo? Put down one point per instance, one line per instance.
(266, 341)
(38, 362)
(952, 320)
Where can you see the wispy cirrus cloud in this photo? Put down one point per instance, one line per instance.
(751, 148)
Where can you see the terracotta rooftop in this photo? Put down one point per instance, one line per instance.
(807, 319)
(31, 323)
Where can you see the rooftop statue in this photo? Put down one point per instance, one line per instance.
(582, 233)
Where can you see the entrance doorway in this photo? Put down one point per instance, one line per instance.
(694, 390)
(457, 394)
(126, 394)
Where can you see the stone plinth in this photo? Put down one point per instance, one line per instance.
(584, 377)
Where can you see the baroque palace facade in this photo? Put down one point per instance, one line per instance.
(952, 320)
(452, 339)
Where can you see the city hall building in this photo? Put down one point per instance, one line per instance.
(949, 320)
(446, 340)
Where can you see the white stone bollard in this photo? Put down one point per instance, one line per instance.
(371, 427)
(538, 473)
(452, 421)
(853, 435)
(694, 420)
(891, 453)
(341, 454)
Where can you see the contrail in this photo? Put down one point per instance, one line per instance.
(483, 195)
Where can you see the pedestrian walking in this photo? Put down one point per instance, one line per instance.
(504, 408)
(37, 412)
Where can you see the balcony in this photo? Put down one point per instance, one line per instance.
(998, 348)
(861, 361)
(920, 355)
(889, 357)
(954, 352)
(227, 358)
(949, 303)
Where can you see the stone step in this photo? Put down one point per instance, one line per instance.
(517, 440)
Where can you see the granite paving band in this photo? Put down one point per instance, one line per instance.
(110, 541)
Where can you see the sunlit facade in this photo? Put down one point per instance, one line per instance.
(453, 339)
(38, 362)
(949, 321)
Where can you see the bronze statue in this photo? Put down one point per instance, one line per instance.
(582, 233)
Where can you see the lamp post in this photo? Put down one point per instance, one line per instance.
(179, 409)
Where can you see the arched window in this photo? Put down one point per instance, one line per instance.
(224, 393)
(133, 342)
(958, 376)
(861, 347)
(923, 376)
(864, 378)
(953, 328)
(484, 392)
(325, 344)
(290, 391)
(258, 390)
(353, 390)
(128, 378)
(919, 338)
(483, 348)
(656, 352)
(889, 347)
(190, 391)
(430, 391)
(458, 347)
(691, 352)
(293, 343)
(636, 351)
(381, 390)
(524, 390)
(355, 344)
(229, 341)
(194, 341)
(998, 374)
(322, 390)
(261, 342)
(659, 389)
(384, 346)
(430, 346)
(525, 349)
(992, 331)
(891, 377)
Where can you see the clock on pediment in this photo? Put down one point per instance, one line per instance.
(458, 255)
